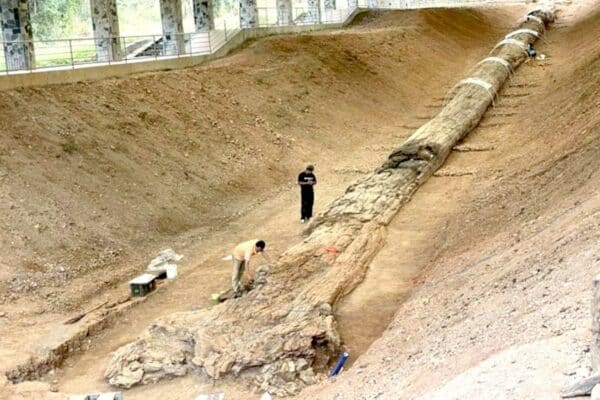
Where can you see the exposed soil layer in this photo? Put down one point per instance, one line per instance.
(292, 335)
(502, 310)
(99, 175)
(121, 168)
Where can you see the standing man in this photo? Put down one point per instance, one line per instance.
(307, 180)
(242, 254)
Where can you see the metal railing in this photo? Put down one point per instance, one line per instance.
(77, 53)
(73, 53)
(269, 17)
(415, 4)
(2, 58)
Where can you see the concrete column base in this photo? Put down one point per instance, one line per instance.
(172, 23)
(203, 15)
(248, 14)
(284, 13)
(17, 35)
(105, 23)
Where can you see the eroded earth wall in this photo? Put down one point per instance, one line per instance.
(283, 332)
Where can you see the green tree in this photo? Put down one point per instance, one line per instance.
(57, 19)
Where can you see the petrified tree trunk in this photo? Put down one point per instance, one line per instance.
(284, 330)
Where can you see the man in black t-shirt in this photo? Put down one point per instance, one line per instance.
(307, 180)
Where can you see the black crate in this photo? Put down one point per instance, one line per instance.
(141, 285)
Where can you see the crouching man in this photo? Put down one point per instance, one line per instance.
(242, 254)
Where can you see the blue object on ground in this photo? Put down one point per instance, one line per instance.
(339, 364)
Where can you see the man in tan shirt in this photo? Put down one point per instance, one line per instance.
(242, 254)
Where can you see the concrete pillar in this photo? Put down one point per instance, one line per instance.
(248, 14)
(329, 4)
(314, 11)
(105, 22)
(203, 15)
(17, 34)
(352, 4)
(285, 15)
(172, 24)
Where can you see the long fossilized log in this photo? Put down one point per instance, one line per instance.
(283, 331)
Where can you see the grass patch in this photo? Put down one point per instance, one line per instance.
(69, 146)
(60, 54)
(172, 223)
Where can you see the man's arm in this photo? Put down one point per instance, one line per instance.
(267, 257)
(309, 183)
(247, 257)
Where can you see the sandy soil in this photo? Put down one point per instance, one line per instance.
(502, 254)
(502, 308)
(119, 169)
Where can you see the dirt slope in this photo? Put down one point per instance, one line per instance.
(96, 177)
(502, 310)
(292, 333)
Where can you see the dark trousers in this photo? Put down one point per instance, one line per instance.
(307, 201)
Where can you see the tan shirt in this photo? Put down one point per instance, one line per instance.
(245, 250)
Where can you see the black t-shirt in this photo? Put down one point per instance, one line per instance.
(307, 177)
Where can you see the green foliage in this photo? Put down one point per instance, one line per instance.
(66, 19)
(53, 19)
(69, 146)
(223, 8)
(48, 56)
